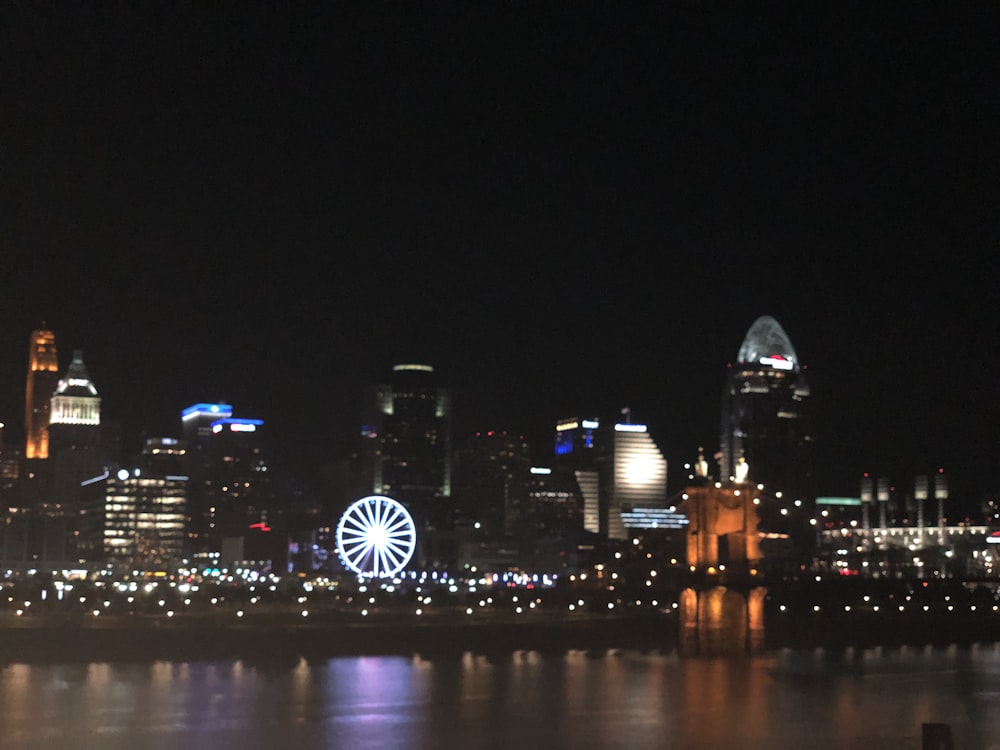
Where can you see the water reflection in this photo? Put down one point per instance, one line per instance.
(820, 699)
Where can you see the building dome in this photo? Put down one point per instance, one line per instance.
(767, 343)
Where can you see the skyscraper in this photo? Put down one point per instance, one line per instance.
(229, 488)
(639, 478)
(134, 517)
(407, 453)
(43, 376)
(490, 480)
(579, 449)
(74, 432)
(765, 416)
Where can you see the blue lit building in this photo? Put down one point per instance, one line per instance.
(575, 439)
(580, 450)
(230, 487)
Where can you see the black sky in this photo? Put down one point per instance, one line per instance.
(566, 208)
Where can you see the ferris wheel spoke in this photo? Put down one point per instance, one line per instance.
(401, 524)
(352, 535)
(397, 556)
(354, 529)
(394, 550)
(354, 548)
(390, 518)
(354, 525)
(370, 513)
(397, 542)
(401, 531)
(391, 545)
(359, 551)
(389, 563)
(360, 559)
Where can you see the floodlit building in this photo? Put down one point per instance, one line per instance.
(902, 530)
(639, 478)
(43, 378)
(766, 423)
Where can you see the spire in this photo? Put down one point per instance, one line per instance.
(701, 465)
(77, 381)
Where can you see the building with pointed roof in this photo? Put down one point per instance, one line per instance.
(766, 426)
(74, 436)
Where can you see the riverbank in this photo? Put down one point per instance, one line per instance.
(141, 639)
(868, 629)
(284, 637)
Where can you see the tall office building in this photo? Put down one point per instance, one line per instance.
(407, 453)
(638, 479)
(74, 432)
(766, 419)
(134, 518)
(490, 480)
(229, 487)
(43, 377)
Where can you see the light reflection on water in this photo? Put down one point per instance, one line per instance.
(794, 699)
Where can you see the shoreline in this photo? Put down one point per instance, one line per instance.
(284, 638)
(281, 639)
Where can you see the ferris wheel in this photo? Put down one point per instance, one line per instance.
(376, 537)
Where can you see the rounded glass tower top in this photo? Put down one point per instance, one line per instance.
(767, 343)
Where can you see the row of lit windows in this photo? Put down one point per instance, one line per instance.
(119, 504)
(114, 533)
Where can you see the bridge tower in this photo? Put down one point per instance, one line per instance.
(722, 608)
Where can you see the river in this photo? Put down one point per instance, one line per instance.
(852, 698)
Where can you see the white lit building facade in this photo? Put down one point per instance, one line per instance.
(638, 479)
(74, 435)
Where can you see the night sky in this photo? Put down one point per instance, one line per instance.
(566, 208)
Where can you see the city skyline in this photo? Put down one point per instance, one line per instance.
(542, 451)
(563, 211)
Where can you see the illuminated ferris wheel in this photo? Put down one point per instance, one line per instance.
(376, 537)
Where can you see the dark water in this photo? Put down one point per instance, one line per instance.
(814, 700)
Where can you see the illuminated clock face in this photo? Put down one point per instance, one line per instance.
(376, 537)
